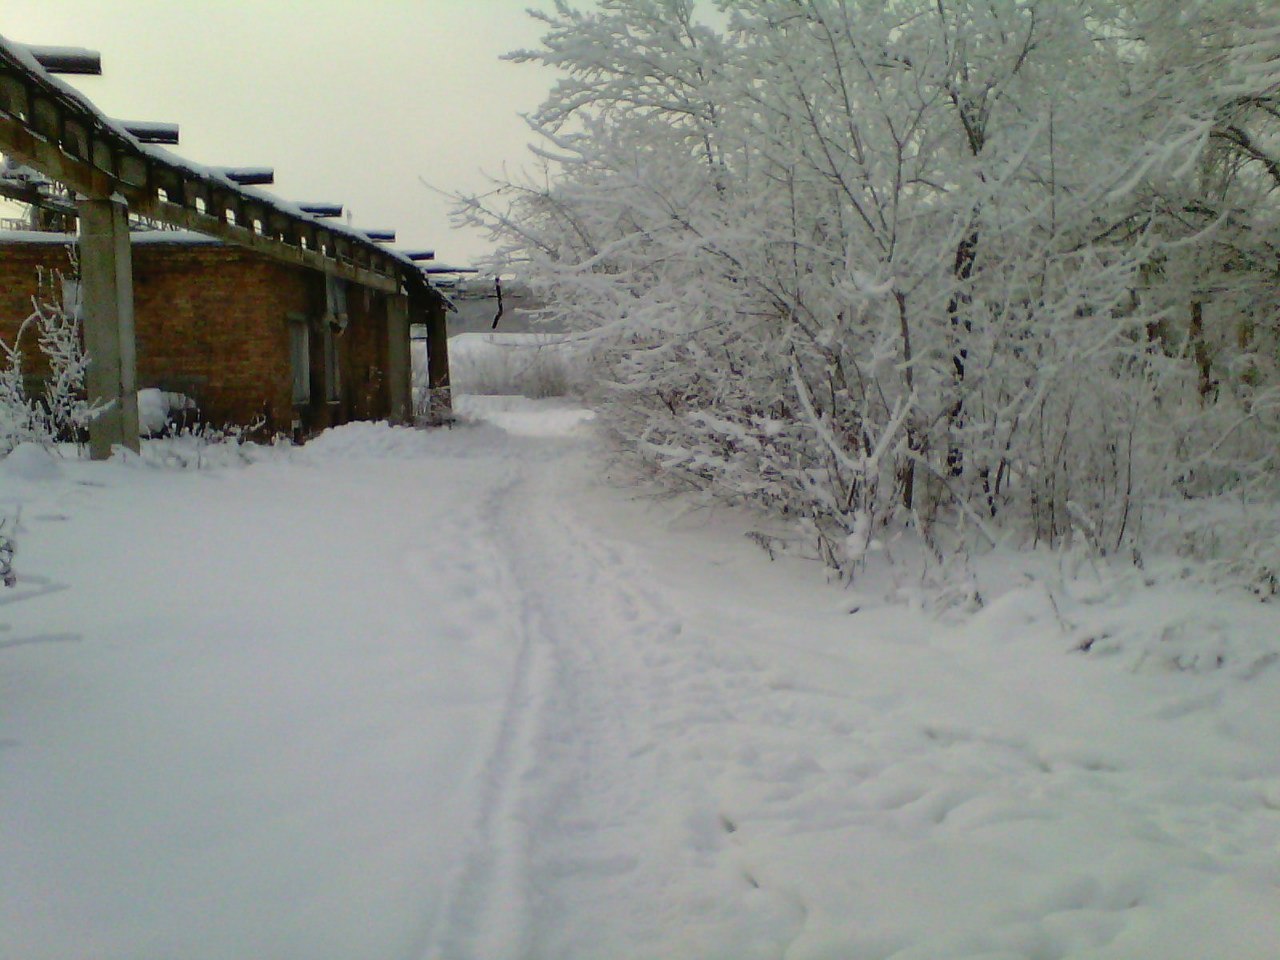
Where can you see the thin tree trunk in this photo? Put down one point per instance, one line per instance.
(913, 438)
(1200, 351)
(966, 253)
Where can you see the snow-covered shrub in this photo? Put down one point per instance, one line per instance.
(61, 411)
(990, 270)
(7, 550)
(199, 445)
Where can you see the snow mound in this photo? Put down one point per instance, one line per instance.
(366, 440)
(31, 462)
(194, 451)
(155, 407)
(1177, 627)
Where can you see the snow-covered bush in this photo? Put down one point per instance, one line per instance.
(988, 269)
(7, 550)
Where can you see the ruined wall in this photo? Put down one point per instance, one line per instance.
(213, 322)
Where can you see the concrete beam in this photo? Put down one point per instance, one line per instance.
(75, 60)
(210, 225)
(106, 296)
(321, 209)
(399, 361)
(62, 135)
(151, 131)
(33, 196)
(250, 176)
(84, 177)
(20, 143)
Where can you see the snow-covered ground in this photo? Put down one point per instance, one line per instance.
(406, 695)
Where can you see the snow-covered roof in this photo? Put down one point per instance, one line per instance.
(183, 237)
(137, 237)
(14, 172)
(36, 236)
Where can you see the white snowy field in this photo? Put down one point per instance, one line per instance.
(403, 695)
(503, 363)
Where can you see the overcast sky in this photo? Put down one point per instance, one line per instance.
(352, 101)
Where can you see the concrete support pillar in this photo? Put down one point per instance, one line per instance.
(106, 298)
(438, 362)
(399, 363)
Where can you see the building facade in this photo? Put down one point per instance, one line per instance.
(249, 339)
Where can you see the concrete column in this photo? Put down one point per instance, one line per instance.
(438, 362)
(399, 363)
(106, 298)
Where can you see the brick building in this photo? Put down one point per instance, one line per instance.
(248, 338)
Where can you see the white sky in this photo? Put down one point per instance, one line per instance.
(350, 101)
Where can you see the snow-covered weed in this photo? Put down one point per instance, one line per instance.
(202, 446)
(61, 411)
(1172, 625)
(7, 550)
(1224, 540)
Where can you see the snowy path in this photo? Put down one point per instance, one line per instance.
(442, 696)
(262, 734)
(613, 830)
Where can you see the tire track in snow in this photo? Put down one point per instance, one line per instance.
(544, 793)
(580, 806)
(597, 831)
(620, 817)
(486, 912)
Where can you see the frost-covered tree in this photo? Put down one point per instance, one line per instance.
(1212, 72)
(960, 264)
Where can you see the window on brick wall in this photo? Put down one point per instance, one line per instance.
(300, 358)
(335, 295)
(337, 316)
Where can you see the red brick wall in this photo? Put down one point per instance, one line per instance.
(212, 322)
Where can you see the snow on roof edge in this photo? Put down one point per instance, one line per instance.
(136, 237)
